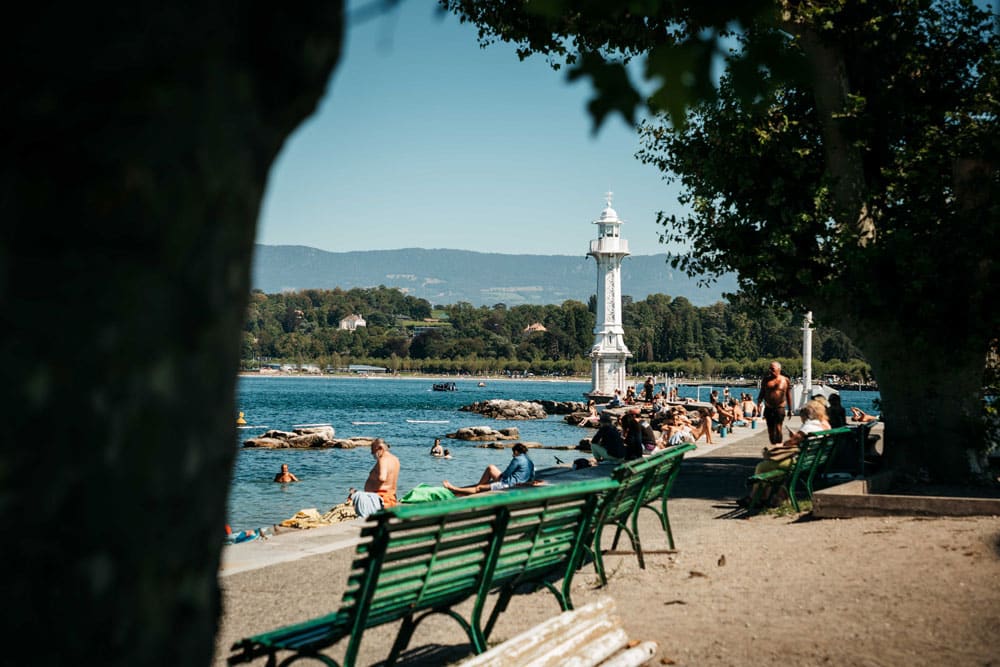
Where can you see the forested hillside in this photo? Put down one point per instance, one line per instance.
(665, 334)
(452, 276)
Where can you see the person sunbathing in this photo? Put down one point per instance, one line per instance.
(702, 428)
(676, 431)
(861, 417)
(592, 417)
(520, 472)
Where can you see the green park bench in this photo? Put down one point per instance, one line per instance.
(814, 453)
(426, 558)
(645, 482)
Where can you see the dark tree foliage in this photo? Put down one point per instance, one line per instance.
(845, 163)
(883, 221)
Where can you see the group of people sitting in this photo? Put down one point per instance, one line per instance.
(632, 435)
(625, 438)
(648, 395)
(818, 414)
(730, 411)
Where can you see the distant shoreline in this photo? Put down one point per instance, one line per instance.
(431, 378)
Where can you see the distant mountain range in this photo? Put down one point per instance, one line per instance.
(450, 276)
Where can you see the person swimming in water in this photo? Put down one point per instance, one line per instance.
(284, 476)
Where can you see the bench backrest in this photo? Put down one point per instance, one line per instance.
(825, 442)
(439, 553)
(642, 481)
(815, 451)
(669, 466)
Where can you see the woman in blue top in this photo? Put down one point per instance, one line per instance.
(520, 472)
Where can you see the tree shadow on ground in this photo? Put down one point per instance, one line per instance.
(432, 655)
(713, 477)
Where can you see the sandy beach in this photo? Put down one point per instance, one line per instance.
(737, 591)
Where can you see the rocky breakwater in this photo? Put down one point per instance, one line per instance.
(562, 407)
(501, 408)
(314, 437)
(484, 434)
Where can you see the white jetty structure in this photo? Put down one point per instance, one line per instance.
(609, 352)
(804, 389)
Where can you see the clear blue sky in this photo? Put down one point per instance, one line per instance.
(425, 140)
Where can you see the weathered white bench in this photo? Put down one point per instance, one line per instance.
(586, 637)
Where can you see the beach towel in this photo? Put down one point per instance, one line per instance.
(423, 493)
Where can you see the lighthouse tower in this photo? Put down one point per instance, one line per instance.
(609, 352)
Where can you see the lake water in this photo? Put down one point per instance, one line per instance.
(326, 475)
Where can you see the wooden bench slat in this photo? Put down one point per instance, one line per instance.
(585, 637)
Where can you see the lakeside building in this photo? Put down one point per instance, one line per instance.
(352, 322)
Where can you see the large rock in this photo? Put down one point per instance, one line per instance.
(562, 407)
(319, 437)
(484, 434)
(326, 432)
(501, 408)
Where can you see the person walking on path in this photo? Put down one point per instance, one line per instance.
(520, 472)
(380, 487)
(775, 395)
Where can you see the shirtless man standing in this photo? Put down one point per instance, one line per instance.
(380, 487)
(775, 395)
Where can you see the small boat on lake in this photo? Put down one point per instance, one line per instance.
(444, 386)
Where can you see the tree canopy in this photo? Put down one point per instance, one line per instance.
(844, 162)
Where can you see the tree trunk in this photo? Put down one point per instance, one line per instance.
(931, 398)
(146, 134)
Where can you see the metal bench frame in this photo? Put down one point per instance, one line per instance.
(642, 483)
(426, 558)
(814, 452)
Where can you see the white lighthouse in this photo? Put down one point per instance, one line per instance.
(608, 355)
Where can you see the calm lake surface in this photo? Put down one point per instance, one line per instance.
(387, 404)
